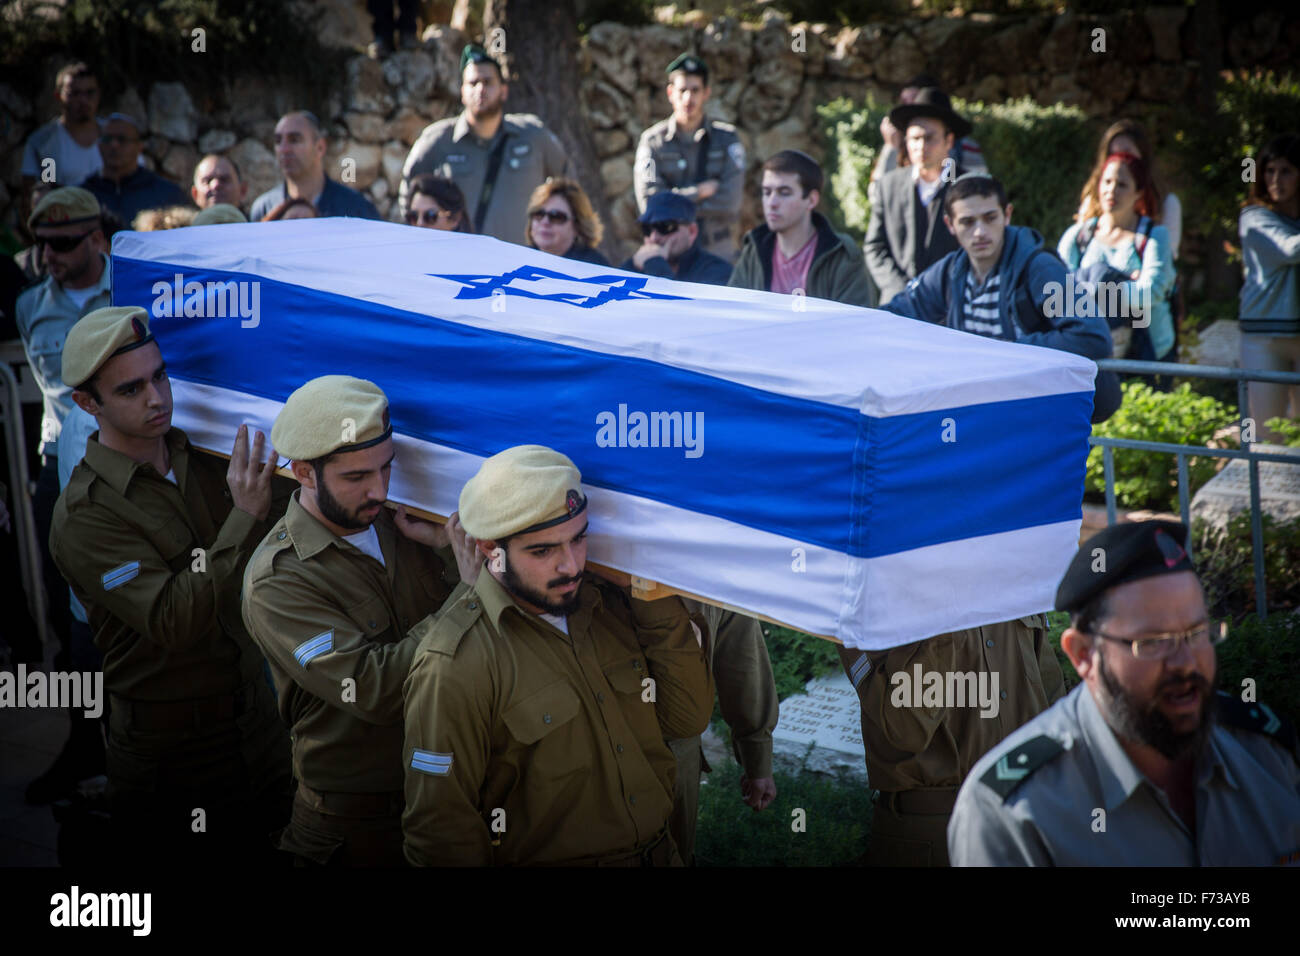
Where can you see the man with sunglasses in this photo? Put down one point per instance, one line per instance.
(70, 244)
(122, 185)
(672, 248)
(1143, 764)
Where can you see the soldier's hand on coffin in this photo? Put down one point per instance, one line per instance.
(465, 546)
(758, 793)
(249, 475)
(417, 529)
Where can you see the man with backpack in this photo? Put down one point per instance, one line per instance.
(1003, 284)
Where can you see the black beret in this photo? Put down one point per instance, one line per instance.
(1128, 552)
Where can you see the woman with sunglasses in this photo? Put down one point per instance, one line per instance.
(562, 222)
(437, 203)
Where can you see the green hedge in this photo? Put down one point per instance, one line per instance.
(1268, 653)
(1042, 155)
(1149, 479)
(1226, 564)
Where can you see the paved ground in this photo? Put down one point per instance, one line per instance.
(29, 742)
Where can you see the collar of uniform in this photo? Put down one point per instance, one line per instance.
(1215, 759)
(105, 283)
(695, 137)
(496, 599)
(461, 129)
(308, 535)
(118, 469)
(1116, 771)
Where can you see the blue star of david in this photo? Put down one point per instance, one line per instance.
(613, 288)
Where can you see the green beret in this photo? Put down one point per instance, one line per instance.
(473, 53)
(100, 335)
(333, 413)
(1122, 553)
(63, 207)
(522, 489)
(689, 63)
(218, 213)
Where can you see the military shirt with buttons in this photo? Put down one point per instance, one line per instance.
(325, 613)
(1061, 791)
(531, 154)
(526, 745)
(667, 158)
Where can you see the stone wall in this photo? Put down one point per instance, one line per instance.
(768, 79)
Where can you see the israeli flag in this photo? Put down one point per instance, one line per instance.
(840, 470)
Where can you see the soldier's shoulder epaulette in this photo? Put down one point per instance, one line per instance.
(444, 632)
(77, 490)
(1257, 717)
(262, 562)
(526, 120)
(1011, 769)
(724, 127)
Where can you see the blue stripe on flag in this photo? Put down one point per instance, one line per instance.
(802, 469)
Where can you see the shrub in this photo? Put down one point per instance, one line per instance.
(1226, 564)
(1268, 653)
(1042, 155)
(797, 658)
(1149, 479)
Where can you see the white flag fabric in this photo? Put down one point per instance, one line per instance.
(841, 470)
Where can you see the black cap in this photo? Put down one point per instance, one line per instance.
(1120, 554)
(689, 63)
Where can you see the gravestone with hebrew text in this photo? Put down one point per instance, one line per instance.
(1228, 492)
(826, 718)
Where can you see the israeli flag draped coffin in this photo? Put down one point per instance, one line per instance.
(840, 470)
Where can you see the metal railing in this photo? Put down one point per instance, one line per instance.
(1183, 452)
(22, 519)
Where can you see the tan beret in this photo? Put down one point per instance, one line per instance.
(220, 212)
(522, 489)
(66, 206)
(333, 413)
(100, 335)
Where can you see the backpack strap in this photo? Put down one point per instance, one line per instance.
(1143, 233)
(1083, 238)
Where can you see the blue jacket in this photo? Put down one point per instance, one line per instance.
(1028, 273)
(335, 200)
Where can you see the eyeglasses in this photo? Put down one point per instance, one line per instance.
(111, 138)
(427, 216)
(1161, 646)
(556, 217)
(62, 243)
(666, 228)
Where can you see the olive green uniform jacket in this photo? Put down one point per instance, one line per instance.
(158, 567)
(526, 745)
(333, 623)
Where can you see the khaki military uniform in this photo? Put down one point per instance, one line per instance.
(747, 697)
(333, 624)
(918, 756)
(667, 158)
(193, 722)
(527, 745)
(530, 153)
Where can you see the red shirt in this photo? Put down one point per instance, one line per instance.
(790, 274)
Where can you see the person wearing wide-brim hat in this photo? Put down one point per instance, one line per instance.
(331, 596)
(1143, 763)
(153, 538)
(538, 702)
(906, 233)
